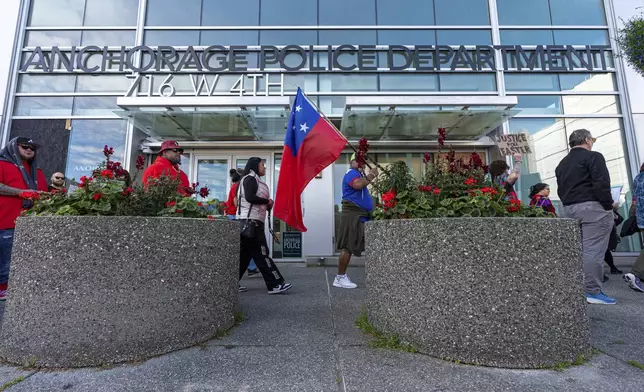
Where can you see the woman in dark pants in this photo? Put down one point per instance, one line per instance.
(254, 201)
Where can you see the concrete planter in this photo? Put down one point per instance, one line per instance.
(89, 291)
(503, 292)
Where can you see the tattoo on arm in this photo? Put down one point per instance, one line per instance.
(6, 190)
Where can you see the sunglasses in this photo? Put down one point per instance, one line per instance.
(27, 147)
(177, 150)
(59, 178)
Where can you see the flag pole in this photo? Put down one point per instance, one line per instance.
(342, 135)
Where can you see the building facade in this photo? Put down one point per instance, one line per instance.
(219, 77)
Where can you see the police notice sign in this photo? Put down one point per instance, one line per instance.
(517, 143)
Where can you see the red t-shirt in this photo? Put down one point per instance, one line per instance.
(163, 167)
(231, 209)
(11, 206)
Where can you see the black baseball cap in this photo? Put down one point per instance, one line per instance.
(27, 141)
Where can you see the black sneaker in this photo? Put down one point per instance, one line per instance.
(605, 279)
(615, 271)
(252, 272)
(243, 289)
(281, 288)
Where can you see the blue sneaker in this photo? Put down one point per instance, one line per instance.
(600, 298)
(634, 282)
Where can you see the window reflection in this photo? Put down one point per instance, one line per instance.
(452, 12)
(111, 13)
(467, 82)
(463, 37)
(229, 37)
(171, 37)
(289, 13)
(539, 104)
(108, 38)
(390, 12)
(33, 83)
(581, 37)
(331, 105)
(406, 37)
(526, 37)
(87, 139)
(590, 104)
(408, 82)
(587, 82)
(53, 38)
(288, 37)
(103, 83)
(350, 37)
(56, 13)
(531, 82)
(168, 13)
(533, 12)
(578, 12)
(230, 13)
(95, 106)
(213, 173)
(348, 82)
(342, 12)
(43, 106)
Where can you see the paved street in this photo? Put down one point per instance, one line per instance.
(307, 341)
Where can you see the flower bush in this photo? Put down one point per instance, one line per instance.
(450, 187)
(107, 192)
(631, 41)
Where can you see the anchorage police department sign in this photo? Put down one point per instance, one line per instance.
(342, 58)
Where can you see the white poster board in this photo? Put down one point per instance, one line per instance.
(516, 143)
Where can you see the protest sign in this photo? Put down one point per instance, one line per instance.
(516, 143)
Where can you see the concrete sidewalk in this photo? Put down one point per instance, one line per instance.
(307, 341)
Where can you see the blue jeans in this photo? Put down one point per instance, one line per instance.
(252, 265)
(6, 243)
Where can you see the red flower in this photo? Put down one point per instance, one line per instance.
(515, 205)
(425, 188)
(441, 136)
(29, 195)
(108, 151)
(437, 191)
(97, 196)
(107, 174)
(361, 154)
(171, 204)
(389, 199)
(476, 160)
(140, 162)
(199, 204)
(427, 157)
(85, 181)
(470, 181)
(210, 217)
(179, 211)
(489, 190)
(127, 191)
(204, 192)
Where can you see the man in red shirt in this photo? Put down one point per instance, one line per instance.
(167, 164)
(18, 174)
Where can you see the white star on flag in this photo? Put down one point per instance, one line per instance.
(298, 108)
(304, 128)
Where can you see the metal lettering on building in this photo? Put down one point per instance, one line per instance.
(297, 58)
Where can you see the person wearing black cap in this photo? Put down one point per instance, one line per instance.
(18, 174)
(254, 201)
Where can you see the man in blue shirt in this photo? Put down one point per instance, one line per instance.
(357, 205)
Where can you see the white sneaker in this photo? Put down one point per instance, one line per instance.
(344, 282)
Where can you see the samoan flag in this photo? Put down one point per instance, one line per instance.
(311, 144)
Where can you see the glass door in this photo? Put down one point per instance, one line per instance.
(212, 172)
(288, 235)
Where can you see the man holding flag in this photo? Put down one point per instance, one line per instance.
(312, 143)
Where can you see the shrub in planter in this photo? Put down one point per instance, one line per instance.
(631, 40)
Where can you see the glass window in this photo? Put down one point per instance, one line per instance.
(539, 104)
(230, 13)
(608, 134)
(452, 12)
(308, 82)
(578, 12)
(581, 37)
(108, 38)
(389, 12)
(95, 106)
(587, 82)
(289, 13)
(408, 82)
(531, 82)
(229, 37)
(331, 105)
(43, 106)
(170, 13)
(350, 37)
(56, 12)
(590, 104)
(406, 37)
(463, 37)
(86, 142)
(213, 173)
(467, 82)
(171, 37)
(103, 83)
(533, 12)
(34, 83)
(352, 13)
(526, 37)
(53, 38)
(288, 37)
(111, 13)
(348, 82)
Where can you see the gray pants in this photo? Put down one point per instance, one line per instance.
(596, 226)
(638, 267)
